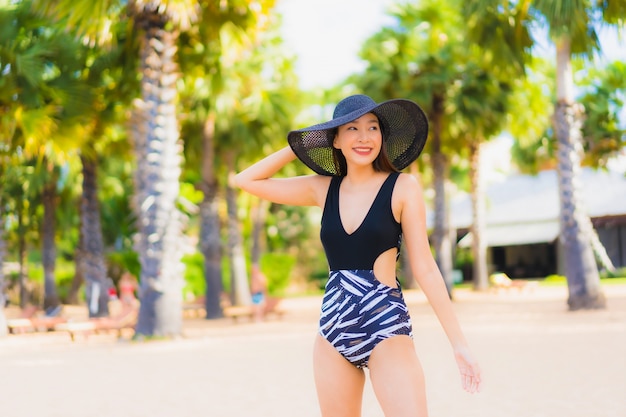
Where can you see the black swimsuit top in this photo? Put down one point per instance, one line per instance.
(378, 232)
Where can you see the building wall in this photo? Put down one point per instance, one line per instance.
(524, 261)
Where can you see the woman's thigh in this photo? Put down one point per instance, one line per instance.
(339, 383)
(397, 378)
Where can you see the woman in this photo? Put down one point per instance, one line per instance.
(128, 286)
(368, 206)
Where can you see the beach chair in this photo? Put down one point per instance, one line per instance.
(124, 320)
(30, 321)
(501, 281)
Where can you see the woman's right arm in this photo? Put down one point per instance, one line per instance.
(309, 190)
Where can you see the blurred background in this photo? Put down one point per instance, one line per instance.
(122, 121)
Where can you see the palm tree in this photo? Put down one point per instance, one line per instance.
(225, 29)
(159, 158)
(40, 94)
(602, 131)
(481, 103)
(19, 204)
(534, 148)
(106, 73)
(48, 235)
(255, 111)
(201, 49)
(422, 59)
(158, 150)
(571, 28)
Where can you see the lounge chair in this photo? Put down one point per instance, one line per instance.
(30, 321)
(272, 307)
(501, 281)
(124, 320)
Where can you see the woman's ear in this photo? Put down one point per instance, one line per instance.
(335, 142)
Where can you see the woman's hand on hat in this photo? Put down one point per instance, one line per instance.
(469, 369)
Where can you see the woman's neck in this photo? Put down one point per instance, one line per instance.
(362, 176)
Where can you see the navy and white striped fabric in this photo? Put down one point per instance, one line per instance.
(358, 312)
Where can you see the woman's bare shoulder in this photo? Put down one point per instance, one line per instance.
(407, 195)
(408, 185)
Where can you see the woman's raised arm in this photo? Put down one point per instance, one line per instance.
(257, 179)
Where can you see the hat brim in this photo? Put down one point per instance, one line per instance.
(403, 122)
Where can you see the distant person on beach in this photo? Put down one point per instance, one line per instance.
(128, 286)
(369, 207)
(258, 288)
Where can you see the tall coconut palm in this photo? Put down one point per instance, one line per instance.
(19, 205)
(159, 153)
(158, 150)
(49, 197)
(422, 60)
(534, 147)
(40, 93)
(481, 103)
(106, 73)
(255, 112)
(201, 50)
(233, 31)
(22, 82)
(571, 26)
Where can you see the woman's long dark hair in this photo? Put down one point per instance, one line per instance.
(381, 163)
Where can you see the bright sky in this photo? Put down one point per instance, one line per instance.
(327, 35)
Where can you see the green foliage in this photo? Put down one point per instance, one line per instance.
(320, 277)
(555, 279)
(277, 268)
(604, 135)
(618, 273)
(64, 275)
(35, 273)
(122, 261)
(195, 284)
(287, 226)
(463, 257)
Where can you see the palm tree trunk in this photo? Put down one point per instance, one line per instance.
(159, 158)
(91, 260)
(3, 284)
(479, 246)
(21, 249)
(259, 215)
(405, 263)
(240, 288)
(48, 252)
(581, 269)
(440, 235)
(210, 241)
(79, 275)
(78, 279)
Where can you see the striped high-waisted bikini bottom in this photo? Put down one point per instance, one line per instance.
(358, 312)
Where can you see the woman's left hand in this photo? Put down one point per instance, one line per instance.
(469, 369)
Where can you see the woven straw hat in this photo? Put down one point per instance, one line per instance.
(403, 123)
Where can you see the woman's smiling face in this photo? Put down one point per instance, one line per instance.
(360, 140)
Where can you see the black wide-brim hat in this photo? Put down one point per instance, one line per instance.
(403, 123)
